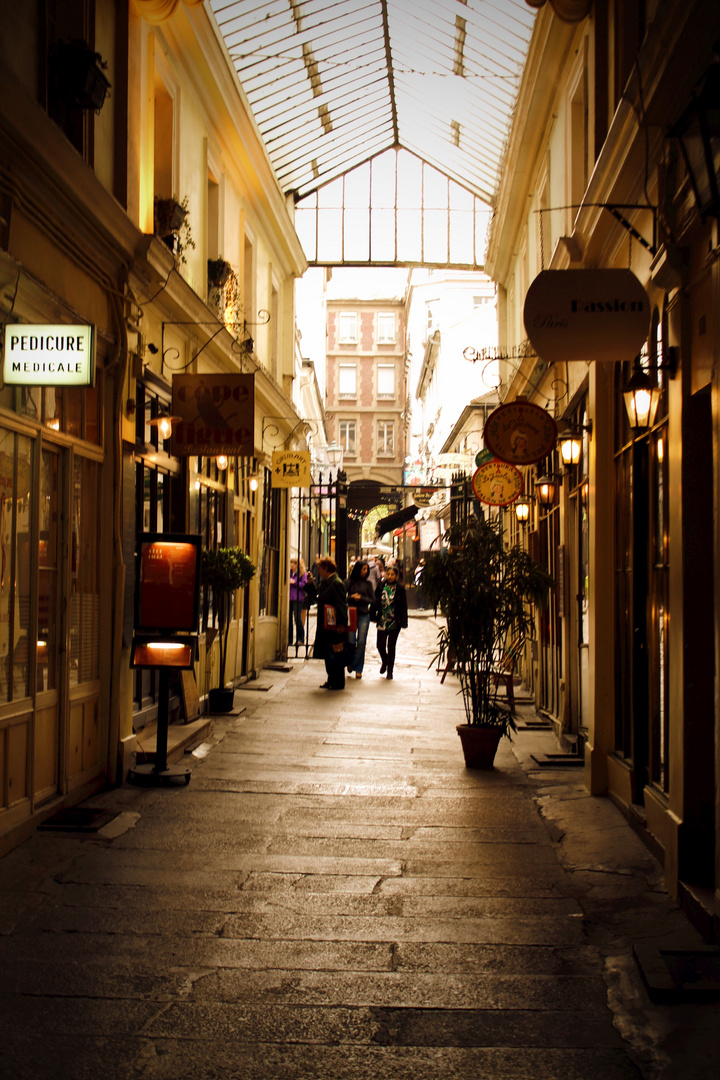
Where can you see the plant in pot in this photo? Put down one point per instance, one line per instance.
(224, 570)
(485, 590)
(224, 293)
(172, 225)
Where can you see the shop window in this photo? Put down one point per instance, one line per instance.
(16, 529)
(74, 411)
(84, 620)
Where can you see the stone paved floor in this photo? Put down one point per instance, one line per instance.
(335, 896)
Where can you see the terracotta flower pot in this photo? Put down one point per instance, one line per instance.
(479, 745)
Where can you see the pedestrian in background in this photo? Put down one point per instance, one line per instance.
(332, 613)
(392, 617)
(298, 611)
(361, 596)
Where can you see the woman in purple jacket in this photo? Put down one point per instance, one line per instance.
(298, 612)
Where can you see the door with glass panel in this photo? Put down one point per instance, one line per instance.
(47, 639)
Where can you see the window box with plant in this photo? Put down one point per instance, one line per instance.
(486, 592)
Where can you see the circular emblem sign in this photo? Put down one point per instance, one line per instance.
(520, 432)
(497, 484)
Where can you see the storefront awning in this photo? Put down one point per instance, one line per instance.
(395, 521)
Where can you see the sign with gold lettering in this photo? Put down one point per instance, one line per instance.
(520, 432)
(590, 315)
(496, 483)
(291, 468)
(49, 355)
(215, 415)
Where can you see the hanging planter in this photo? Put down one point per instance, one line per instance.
(171, 223)
(79, 75)
(218, 273)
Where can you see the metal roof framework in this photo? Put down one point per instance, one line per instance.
(335, 84)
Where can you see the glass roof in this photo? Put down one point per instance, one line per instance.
(334, 83)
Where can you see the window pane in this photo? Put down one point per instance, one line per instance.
(347, 327)
(347, 380)
(15, 532)
(85, 576)
(386, 328)
(386, 380)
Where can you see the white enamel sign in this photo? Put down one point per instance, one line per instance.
(49, 355)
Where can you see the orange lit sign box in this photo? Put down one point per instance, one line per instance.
(167, 582)
(176, 652)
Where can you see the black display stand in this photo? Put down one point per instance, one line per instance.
(159, 772)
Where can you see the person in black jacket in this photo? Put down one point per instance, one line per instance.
(330, 642)
(392, 617)
(361, 595)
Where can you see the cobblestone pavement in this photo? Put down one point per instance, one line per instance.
(335, 896)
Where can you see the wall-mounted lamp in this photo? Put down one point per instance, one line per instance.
(222, 462)
(163, 421)
(641, 398)
(334, 453)
(570, 448)
(522, 510)
(545, 490)
(697, 131)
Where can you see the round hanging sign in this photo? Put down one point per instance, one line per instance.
(520, 432)
(497, 484)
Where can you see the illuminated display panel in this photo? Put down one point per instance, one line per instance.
(168, 582)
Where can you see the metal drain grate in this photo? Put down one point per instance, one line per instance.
(78, 819)
(679, 974)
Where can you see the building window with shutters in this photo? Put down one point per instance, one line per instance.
(347, 328)
(347, 437)
(386, 380)
(385, 438)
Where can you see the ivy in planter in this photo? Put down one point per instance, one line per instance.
(172, 225)
(224, 293)
(225, 570)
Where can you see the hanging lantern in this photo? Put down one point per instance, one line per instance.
(641, 399)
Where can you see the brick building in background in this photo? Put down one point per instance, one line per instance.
(366, 397)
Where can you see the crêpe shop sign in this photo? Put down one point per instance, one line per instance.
(214, 414)
(587, 315)
(49, 355)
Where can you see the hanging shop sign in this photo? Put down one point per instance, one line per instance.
(591, 315)
(49, 355)
(496, 483)
(520, 432)
(423, 496)
(291, 468)
(214, 414)
(167, 582)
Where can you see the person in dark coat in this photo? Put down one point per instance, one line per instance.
(392, 617)
(330, 643)
(361, 595)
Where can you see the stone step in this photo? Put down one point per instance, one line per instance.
(181, 737)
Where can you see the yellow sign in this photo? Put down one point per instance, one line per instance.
(291, 468)
(497, 483)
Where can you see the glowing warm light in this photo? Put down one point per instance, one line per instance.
(165, 427)
(253, 483)
(661, 450)
(221, 461)
(522, 509)
(197, 485)
(54, 424)
(166, 645)
(570, 450)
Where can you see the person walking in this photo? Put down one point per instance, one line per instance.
(361, 596)
(332, 613)
(298, 611)
(392, 617)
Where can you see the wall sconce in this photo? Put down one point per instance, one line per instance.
(522, 510)
(570, 448)
(641, 399)
(545, 490)
(253, 483)
(222, 462)
(698, 132)
(164, 423)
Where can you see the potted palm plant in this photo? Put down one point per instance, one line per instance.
(224, 570)
(485, 590)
